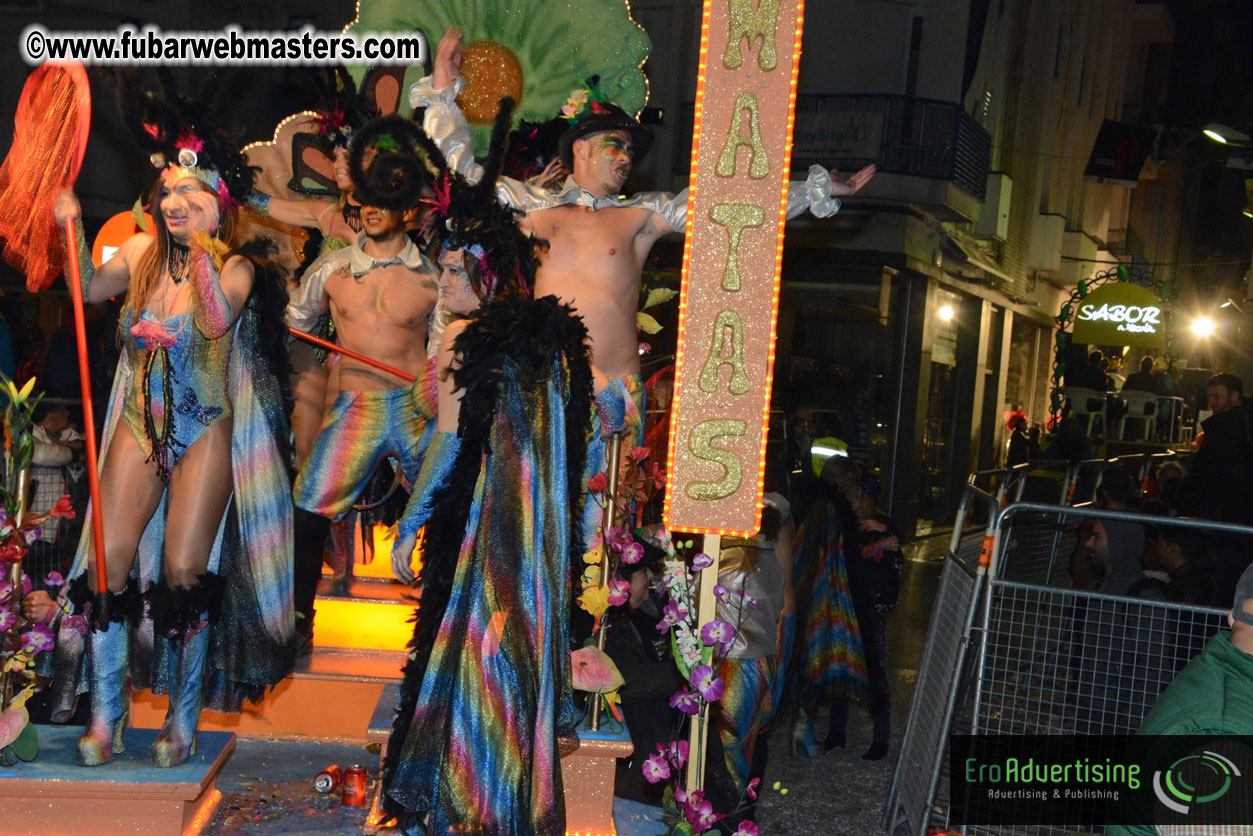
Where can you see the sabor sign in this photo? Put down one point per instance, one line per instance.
(1120, 313)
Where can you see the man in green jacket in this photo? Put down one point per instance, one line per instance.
(1213, 695)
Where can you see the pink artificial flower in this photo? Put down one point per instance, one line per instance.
(618, 537)
(7, 619)
(646, 348)
(704, 681)
(619, 591)
(639, 454)
(678, 752)
(598, 483)
(702, 561)
(718, 633)
(38, 639)
(722, 594)
(685, 701)
(752, 788)
(747, 828)
(592, 670)
(6, 590)
(633, 553)
(698, 811)
(54, 579)
(656, 768)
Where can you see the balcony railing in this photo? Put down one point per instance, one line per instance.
(902, 135)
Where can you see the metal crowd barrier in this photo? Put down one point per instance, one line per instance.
(1047, 660)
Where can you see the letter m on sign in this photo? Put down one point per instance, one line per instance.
(741, 154)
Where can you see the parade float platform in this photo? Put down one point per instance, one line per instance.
(359, 642)
(53, 795)
(586, 774)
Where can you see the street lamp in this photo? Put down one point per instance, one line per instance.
(1225, 134)
(946, 313)
(1202, 326)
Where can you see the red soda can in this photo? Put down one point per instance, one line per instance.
(328, 779)
(354, 787)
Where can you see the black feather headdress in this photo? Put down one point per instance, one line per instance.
(472, 219)
(181, 134)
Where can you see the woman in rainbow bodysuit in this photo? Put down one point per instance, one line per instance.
(195, 495)
(485, 705)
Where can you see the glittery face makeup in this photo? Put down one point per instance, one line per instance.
(607, 162)
(454, 284)
(181, 204)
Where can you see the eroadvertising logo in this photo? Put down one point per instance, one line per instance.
(1091, 781)
(1194, 779)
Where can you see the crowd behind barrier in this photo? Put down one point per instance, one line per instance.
(1014, 648)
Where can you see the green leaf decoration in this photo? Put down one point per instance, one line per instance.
(646, 323)
(1121, 271)
(26, 747)
(659, 296)
(1083, 289)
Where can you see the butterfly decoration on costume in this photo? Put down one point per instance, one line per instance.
(313, 152)
(190, 405)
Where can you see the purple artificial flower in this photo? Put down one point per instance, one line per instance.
(752, 788)
(619, 591)
(685, 701)
(718, 633)
(670, 616)
(678, 752)
(750, 600)
(698, 811)
(38, 639)
(27, 586)
(32, 536)
(8, 618)
(747, 828)
(54, 579)
(722, 594)
(6, 590)
(633, 553)
(656, 768)
(704, 681)
(702, 561)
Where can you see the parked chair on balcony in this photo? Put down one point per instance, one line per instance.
(1087, 405)
(1141, 406)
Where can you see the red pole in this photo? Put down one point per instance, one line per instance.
(89, 417)
(348, 352)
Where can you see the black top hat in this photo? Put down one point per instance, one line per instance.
(601, 117)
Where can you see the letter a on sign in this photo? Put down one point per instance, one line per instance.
(741, 156)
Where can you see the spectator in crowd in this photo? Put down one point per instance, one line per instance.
(1163, 379)
(1069, 442)
(1091, 376)
(1113, 373)
(1211, 697)
(1089, 563)
(56, 442)
(1141, 381)
(1116, 491)
(650, 677)
(1218, 486)
(1021, 450)
(874, 578)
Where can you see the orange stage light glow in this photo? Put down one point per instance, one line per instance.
(724, 285)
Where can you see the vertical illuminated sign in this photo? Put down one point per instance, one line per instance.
(741, 155)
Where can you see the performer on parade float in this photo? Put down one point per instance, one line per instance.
(595, 257)
(486, 695)
(194, 487)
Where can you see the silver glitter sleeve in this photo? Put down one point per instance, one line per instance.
(814, 194)
(304, 303)
(445, 124)
(671, 207)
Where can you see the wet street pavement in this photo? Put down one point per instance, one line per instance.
(267, 785)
